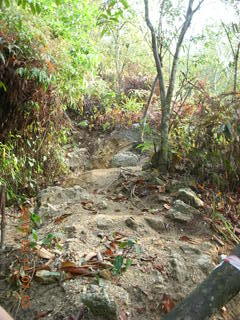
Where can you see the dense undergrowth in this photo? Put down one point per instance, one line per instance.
(205, 140)
(41, 74)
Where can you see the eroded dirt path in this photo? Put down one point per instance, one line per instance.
(114, 251)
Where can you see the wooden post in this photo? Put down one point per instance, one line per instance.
(217, 290)
(3, 215)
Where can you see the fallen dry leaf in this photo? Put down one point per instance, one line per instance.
(185, 238)
(190, 240)
(167, 303)
(78, 271)
(42, 314)
(66, 264)
(159, 267)
(42, 267)
(113, 245)
(108, 252)
(61, 218)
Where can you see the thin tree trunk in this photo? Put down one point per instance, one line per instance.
(156, 55)
(145, 113)
(217, 290)
(162, 155)
(236, 57)
(3, 215)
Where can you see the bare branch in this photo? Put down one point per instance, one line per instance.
(156, 54)
(198, 6)
(228, 36)
(188, 18)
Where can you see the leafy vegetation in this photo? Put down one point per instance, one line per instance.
(36, 88)
(93, 61)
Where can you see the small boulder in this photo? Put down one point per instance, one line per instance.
(78, 159)
(99, 302)
(70, 230)
(131, 223)
(102, 205)
(156, 224)
(124, 159)
(189, 196)
(190, 250)
(48, 210)
(103, 223)
(179, 216)
(184, 208)
(52, 200)
(205, 263)
(58, 195)
(179, 267)
(182, 212)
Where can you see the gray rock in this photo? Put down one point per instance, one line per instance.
(125, 159)
(51, 201)
(70, 230)
(102, 205)
(78, 159)
(182, 212)
(103, 223)
(48, 210)
(204, 262)
(207, 246)
(190, 197)
(179, 267)
(157, 277)
(131, 223)
(58, 195)
(156, 224)
(181, 206)
(131, 134)
(189, 250)
(99, 303)
(179, 216)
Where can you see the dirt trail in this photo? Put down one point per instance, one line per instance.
(96, 216)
